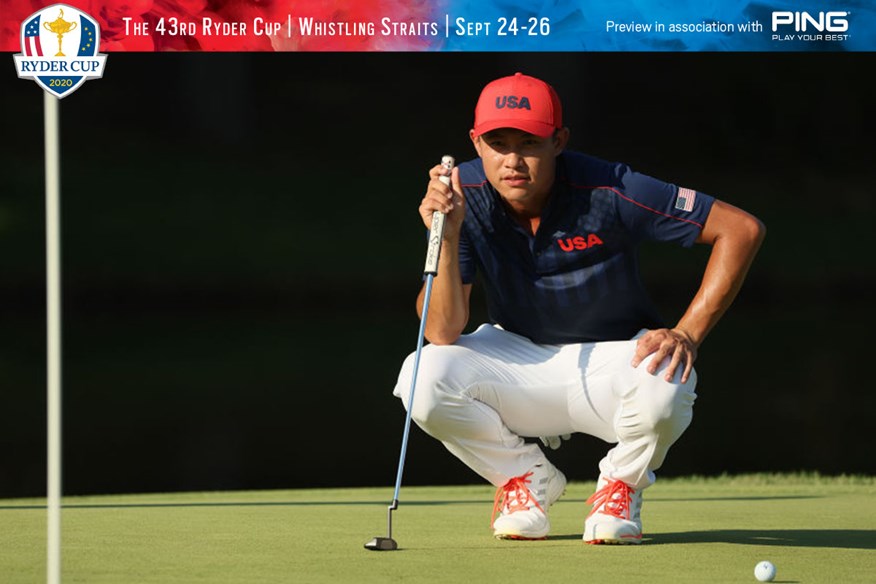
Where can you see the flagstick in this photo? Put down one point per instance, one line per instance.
(53, 309)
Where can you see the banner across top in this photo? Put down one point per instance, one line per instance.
(468, 25)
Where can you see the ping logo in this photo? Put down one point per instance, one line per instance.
(512, 102)
(59, 49)
(579, 242)
(802, 21)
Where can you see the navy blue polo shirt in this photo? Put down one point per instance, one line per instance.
(577, 279)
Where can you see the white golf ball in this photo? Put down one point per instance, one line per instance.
(765, 571)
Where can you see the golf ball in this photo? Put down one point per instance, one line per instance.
(765, 571)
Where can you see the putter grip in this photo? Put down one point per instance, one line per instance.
(436, 233)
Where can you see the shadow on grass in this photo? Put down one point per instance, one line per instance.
(752, 498)
(862, 539)
(859, 539)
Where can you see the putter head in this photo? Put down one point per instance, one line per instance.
(381, 544)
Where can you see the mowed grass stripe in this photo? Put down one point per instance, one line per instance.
(815, 529)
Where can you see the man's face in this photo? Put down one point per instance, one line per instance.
(519, 165)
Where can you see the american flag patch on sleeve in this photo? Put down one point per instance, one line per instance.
(685, 199)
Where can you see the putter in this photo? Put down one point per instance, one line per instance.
(385, 544)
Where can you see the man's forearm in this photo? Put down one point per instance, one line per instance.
(732, 255)
(448, 305)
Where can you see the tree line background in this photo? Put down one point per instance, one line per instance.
(242, 249)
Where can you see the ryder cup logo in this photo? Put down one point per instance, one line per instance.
(59, 49)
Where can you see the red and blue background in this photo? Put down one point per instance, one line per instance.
(574, 25)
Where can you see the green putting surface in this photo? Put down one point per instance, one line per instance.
(814, 529)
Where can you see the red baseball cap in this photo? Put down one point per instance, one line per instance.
(520, 102)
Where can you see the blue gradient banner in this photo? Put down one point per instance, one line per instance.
(659, 25)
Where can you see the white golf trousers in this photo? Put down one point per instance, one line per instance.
(482, 394)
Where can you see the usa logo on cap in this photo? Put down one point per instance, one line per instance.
(59, 49)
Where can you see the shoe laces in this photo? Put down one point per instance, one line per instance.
(612, 499)
(515, 496)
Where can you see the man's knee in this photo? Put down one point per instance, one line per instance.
(666, 405)
(435, 388)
